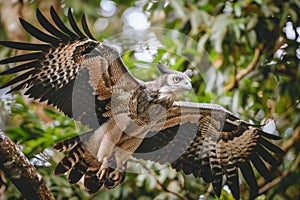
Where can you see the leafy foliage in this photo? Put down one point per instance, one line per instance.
(250, 53)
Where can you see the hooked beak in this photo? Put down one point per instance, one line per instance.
(188, 86)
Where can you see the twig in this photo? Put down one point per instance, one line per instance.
(21, 172)
(288, 111)
(293, 168)
(244, 72)
(3, 183)
(160, 185)
(208, 192)
(285, 147)
(293, 140)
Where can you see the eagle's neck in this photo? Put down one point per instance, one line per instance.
(165, 95)
(157, 94)
(150, 104)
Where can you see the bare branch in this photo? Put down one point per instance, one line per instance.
(291, 142)
(3, 183)
(244, 72)
(208, 192)
(21, 172)
(269, 185)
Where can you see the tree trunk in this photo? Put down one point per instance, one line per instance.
(21, 172)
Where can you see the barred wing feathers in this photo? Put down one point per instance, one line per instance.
(209, 142)
(200, 139)
(81, 163)
(70, 64)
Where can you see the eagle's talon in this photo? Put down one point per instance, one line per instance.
(102, 173)
(115, 178)
(208, 128)
(114, 175)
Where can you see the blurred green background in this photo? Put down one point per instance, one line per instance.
(245, 55)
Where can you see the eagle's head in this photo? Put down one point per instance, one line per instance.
(173, 83)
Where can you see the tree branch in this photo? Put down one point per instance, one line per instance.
(21, 172)
(208, 192)
(264, 187)
(3, 183)
(244, 72)
(269, 185)
(292, 140)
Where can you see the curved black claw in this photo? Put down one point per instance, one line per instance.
(115, 178)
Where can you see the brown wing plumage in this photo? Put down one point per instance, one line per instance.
(209, 142)
(71, 66)
(76, 74)
(81, 163)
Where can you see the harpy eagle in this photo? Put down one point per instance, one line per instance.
(88, 81)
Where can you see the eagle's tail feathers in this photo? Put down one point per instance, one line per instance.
(70, 159)
(78, 171)
(81, 163)
(91, 181)
(68, 143)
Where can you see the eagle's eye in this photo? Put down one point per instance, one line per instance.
(176, 79)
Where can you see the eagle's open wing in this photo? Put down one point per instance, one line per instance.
(71, 71)
(75, 73)
(207, 141)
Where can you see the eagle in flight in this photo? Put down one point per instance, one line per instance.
(88, 81)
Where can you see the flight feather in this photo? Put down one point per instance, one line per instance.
(88, 81)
